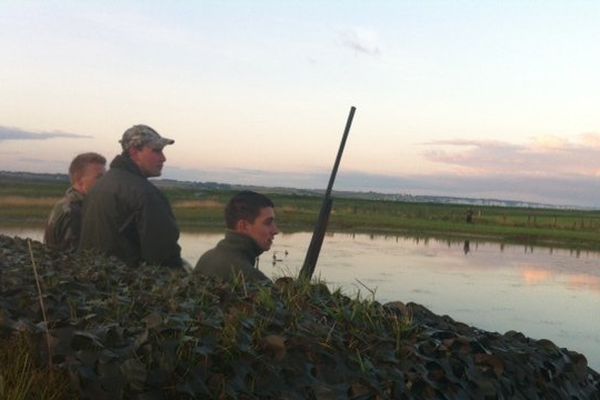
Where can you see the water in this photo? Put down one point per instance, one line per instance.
(542, 292)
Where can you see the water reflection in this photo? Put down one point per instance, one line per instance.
(544, 292)
(533, 275)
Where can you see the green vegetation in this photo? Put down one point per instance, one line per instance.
(106, 331)
(160, 333)
(569, 228)
(30, 202)
(23, 376)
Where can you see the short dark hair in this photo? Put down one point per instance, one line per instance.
(81, 161)
(245, 205)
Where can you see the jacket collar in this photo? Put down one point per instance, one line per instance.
(242, 243)
(123, 162)
(74, 195)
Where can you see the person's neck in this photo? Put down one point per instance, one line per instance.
(78, 188)
(137, 166)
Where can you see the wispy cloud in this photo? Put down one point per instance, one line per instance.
(560, 190)
(574, 190)
(541, 156)
(41, 162)
(8, 133)
(362, 41)
(250, 177)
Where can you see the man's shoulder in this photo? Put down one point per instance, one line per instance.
(63, 207)
(122, 183)
(208, 259)
(119, 175)
(226, 263)
(60, 231)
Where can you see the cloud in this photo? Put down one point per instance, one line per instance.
(558, 190)
(591, 140)
(576, 190)
(566, 190)
(40, 161)
(362, 41)
(7, 133)
(250, 177)
(541, 156)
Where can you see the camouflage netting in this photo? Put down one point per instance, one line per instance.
(152, 333)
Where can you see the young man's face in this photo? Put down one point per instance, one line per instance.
(149, 159)
(262, 230)
(91, 173)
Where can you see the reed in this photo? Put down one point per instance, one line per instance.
(23, 377)
(21, 201)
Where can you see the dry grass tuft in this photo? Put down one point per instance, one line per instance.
(22, 378)
(19, 201)
(198, 204)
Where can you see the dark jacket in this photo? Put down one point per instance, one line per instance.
(64, 223)
(127, 216)
(233, 255)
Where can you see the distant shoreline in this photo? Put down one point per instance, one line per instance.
(20, 176)
(27, 202)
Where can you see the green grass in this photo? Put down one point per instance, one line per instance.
(29, 203)
(22, 376)
(569, 228)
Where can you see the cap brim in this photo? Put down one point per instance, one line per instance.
(162, 142)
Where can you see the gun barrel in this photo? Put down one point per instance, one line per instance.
(338, 158)
(312, 254)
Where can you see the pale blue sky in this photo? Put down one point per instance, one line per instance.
(467, 98)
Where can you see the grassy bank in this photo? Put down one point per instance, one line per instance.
(156, 333)
(160, 333)
(29, 203)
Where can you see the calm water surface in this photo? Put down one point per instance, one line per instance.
(544, 293)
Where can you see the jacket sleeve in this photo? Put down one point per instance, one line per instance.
(60, 233)
(158, 232)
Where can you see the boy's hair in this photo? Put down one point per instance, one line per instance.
(245, 205)
(81, 161)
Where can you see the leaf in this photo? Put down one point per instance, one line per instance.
(135, 373)
(274, 345)
(153, 320)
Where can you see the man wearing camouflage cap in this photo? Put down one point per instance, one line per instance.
(125, 215)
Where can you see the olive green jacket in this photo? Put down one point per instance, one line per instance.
(233, 255)
(125, 215)
(64, 223)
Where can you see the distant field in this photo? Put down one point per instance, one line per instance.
(29, 203)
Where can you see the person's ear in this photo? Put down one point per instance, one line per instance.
(78, 181)
(241, 226)
(134, 153)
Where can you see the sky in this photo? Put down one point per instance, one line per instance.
(485, 99)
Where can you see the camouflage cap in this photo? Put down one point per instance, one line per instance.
(143, 135)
